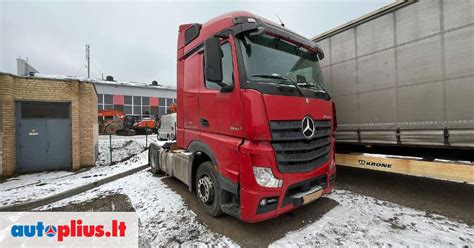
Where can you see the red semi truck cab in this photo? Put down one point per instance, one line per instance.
(255, 124)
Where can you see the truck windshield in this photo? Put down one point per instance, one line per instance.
(268, 59)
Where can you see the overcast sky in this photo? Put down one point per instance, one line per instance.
(137, 41)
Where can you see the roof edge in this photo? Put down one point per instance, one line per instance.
(146, 86)
(363, 19)
(45, 78)
(90, 81)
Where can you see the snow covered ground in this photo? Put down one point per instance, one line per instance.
(33, 186)
(358, 220)
(365, 221)
(164, 219)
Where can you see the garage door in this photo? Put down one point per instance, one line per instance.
(43, 136)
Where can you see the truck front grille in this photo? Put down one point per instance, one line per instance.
(295, 153)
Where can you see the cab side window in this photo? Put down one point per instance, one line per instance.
(227, 68)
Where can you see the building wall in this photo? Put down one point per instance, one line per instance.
(83, 115)
(135, 100)
(411, 68)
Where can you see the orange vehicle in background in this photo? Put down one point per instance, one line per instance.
(116, 122)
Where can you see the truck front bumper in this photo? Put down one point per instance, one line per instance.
(280, 201)
(258, 203)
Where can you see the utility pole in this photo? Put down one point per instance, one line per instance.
(88, 58)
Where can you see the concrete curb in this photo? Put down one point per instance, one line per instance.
(68, 193)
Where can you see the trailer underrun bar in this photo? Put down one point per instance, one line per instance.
(452, 171)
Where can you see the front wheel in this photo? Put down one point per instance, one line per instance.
(207, 189)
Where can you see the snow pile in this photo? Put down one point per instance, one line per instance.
(366, 221)
(164, 219)
(99, 81)
(121, 150)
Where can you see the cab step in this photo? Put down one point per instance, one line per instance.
(232, 209)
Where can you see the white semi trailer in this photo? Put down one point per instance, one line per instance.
(402, 79)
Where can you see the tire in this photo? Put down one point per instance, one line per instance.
(153, 160)
(111, 128)
(206, 179)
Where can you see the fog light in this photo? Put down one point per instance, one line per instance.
(264, 177)
(268, 201)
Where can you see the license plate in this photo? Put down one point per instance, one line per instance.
(312, 197)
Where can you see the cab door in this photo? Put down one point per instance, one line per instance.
(220, 110)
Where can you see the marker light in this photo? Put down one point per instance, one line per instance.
(251, 20)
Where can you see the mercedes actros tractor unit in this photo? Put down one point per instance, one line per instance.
(255, 124)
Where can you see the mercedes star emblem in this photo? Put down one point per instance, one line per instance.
(307, 125)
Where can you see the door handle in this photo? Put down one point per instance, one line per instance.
(204, 123)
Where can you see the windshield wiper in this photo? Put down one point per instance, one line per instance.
(317, 88)
(276, 76)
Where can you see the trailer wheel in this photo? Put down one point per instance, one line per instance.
(207, 189)
(153, 159)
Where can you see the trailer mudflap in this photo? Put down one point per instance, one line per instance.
(176, 164)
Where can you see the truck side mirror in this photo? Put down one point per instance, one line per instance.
(213, 60)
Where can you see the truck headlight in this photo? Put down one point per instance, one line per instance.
(264, 177)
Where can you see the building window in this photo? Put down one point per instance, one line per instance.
(128, 109)
(128, 105)
(169, 101)
(137, 105)
(161, 110)
(137, 110)
(127, 100)
(108, 106)
(118, 107)
(108, 99)
(153, 110)
(146, 111)
(146, 106)
(145, 100)
(137, 100)
(141, 106)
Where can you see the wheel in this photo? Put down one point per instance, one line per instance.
(111, 128)
(153, 159)
(208, 189)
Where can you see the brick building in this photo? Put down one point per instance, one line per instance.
(46, 124)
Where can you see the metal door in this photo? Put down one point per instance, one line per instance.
(43, 136)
